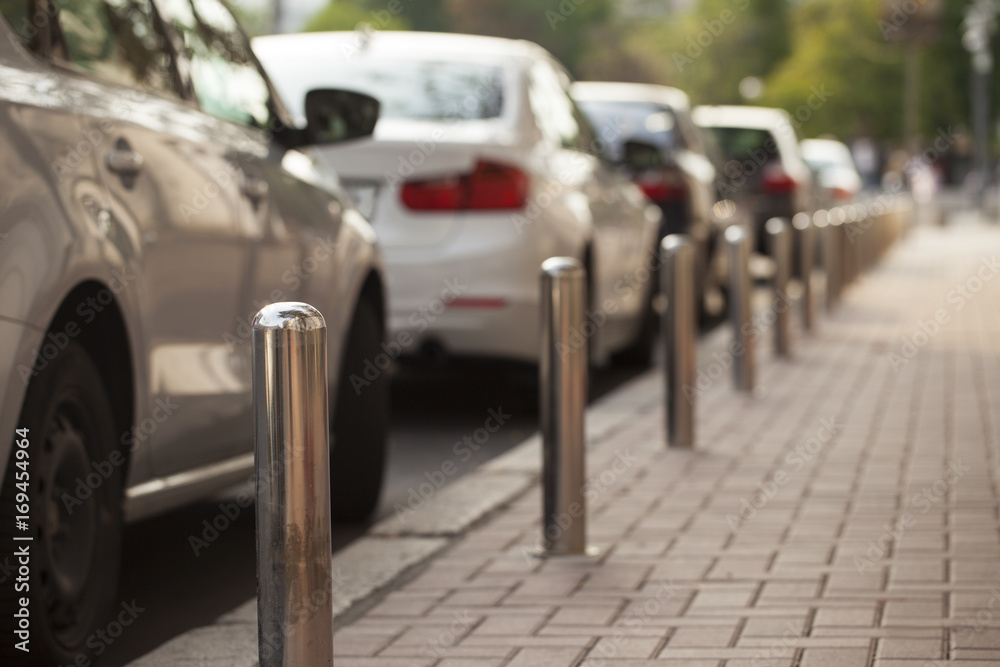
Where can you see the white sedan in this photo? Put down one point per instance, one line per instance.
(480, 168)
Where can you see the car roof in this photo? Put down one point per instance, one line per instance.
(761, 118)
(607, 91)
(395, 42)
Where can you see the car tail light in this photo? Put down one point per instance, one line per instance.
(776, 181)
(841, 194)
(663, 185)
(490, 187)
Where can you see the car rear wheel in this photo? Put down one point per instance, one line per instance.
(360, 422)
(74, 489)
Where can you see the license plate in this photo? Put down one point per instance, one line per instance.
(364, 196)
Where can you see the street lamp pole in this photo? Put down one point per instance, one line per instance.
(979, 26)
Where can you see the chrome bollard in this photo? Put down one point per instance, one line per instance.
(828, 238)
(292, 457)
(739, 243)
(563, 395)
(779, 241)
(806, 243)
(681, 329)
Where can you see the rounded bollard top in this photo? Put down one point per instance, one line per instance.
(775, 226)
(735, 234)
(293, 315)
(801, 221)
(567, 267)
(674, 242)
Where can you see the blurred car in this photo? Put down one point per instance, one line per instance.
(480, 168)
(154, 199)
(764, 170)
(682, 178)
(835, 173)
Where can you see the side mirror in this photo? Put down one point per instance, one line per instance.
(339, 115)
(639, 156)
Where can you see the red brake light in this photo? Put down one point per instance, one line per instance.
(663, 185)
(442, 194)
(490, 187)
(776, 181)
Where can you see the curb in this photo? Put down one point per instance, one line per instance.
(394, 547)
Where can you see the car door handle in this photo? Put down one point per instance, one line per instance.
(124, 161)
(255, 188)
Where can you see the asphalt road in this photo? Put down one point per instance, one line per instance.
(432, 410)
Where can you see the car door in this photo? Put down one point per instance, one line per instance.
(289, 220)
(166, 168)
(618, 226)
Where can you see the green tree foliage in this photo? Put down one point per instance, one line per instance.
(564, 27)
(710, 48)
(349, 14)
(838, 46)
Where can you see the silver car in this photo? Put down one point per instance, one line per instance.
(153, 200)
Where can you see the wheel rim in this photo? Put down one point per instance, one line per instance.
(68, 530)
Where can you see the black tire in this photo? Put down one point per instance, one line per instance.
(76, 547)
(360, 423)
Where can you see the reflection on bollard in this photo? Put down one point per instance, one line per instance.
(806, 244)
(779, 238)
(292, 457)
(563, 395)
(739, 306)
(680, 329)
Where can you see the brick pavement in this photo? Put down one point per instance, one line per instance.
(845, 517)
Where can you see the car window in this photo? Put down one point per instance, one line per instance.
(226, 79)
(114, 40)
(617, 122)
(411, 88)
(741, 143)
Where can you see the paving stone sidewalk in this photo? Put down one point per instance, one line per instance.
(844, 517)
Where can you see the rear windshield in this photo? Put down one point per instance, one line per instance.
(741, 143)
(412, 89)
(618, 122)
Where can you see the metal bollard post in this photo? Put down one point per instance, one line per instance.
(779, 241)
(679, 325)
(739, 306)
(828, 234)
(292, 456)
(563, 377)
(806, 243)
